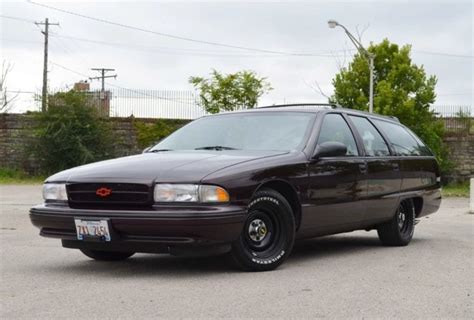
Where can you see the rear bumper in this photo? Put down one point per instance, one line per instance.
(145, 231)
(431, 202)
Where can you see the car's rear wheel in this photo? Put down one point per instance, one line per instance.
(399, 230)
(106, 255)
(268, 234)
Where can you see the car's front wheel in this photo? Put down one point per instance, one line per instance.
(268, 234)
(399, 231)
(106, 255)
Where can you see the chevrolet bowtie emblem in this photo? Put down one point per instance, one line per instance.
(103, 192)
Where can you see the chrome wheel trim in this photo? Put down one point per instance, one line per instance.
(257, 230)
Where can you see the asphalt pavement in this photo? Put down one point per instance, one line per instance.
(335, 277)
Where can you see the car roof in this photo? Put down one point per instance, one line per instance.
(316, 108)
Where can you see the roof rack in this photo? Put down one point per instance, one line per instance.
(326, 105)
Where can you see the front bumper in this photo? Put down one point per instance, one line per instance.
(156, 230)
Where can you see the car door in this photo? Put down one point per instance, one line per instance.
(383, 171)
(336, 184)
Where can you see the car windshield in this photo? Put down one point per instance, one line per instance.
(242, 131)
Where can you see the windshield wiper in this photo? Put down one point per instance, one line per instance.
(160, 150)
(218, 148)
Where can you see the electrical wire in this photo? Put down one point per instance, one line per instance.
(120, 87)
(172, 36)
(283, 53)
(191, 52)
(168, 35)
(16, 18)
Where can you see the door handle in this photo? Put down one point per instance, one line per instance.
(396, 166)
(363, 167)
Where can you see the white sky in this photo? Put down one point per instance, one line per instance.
(147, 61)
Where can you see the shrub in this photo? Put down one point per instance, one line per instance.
(70, 133)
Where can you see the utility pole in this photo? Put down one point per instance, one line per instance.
(104, 96)
(103, 76)
(44, 95)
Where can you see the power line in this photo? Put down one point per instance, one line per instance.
(300, 54)
(454, 55)
(454, 94)
(19, 40)
(16, 18)
(172, 36)
(123, 88)
(168, 35)
(68, 69)
(21, 92)
(192, 52)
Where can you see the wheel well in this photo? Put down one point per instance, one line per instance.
(418, 203)
(287, 191)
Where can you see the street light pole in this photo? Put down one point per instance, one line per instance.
(371, 85)
(370, 56)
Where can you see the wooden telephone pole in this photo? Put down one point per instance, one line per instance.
(44, 95)
(104, 96)
(103, 76)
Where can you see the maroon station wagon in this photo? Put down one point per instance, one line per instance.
(247, 184)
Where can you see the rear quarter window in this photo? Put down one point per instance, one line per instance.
(403, 141)
(424, 150)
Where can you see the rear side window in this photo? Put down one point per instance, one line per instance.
(374, 144)
(402, 142)
(424, 150)
(335, 129)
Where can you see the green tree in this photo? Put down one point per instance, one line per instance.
(70, 133)
(229, 92)
(401, 89)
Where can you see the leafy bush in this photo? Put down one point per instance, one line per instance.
(149, 134)
(70, 133)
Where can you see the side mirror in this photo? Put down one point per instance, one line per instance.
(146, 149)
(330, 149)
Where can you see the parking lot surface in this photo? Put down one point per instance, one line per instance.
(343, 276)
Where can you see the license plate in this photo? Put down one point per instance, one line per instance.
(97, 230)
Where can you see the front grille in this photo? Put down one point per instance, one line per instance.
(118, 195)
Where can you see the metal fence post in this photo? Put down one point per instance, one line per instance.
(471, 210)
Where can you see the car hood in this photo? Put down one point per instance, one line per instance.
(169, 166)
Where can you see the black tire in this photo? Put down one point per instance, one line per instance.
(399, 231)
(107, 255)
(268, 234)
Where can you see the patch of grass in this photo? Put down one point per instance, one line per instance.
(16, 176)
(456, 190)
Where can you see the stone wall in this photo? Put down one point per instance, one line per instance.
(15, 131)
(15, 134)
(461, 153)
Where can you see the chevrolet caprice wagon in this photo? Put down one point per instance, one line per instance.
(248, 184)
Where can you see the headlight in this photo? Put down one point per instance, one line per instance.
(189, 193)
(176, 193)
(54, 191)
